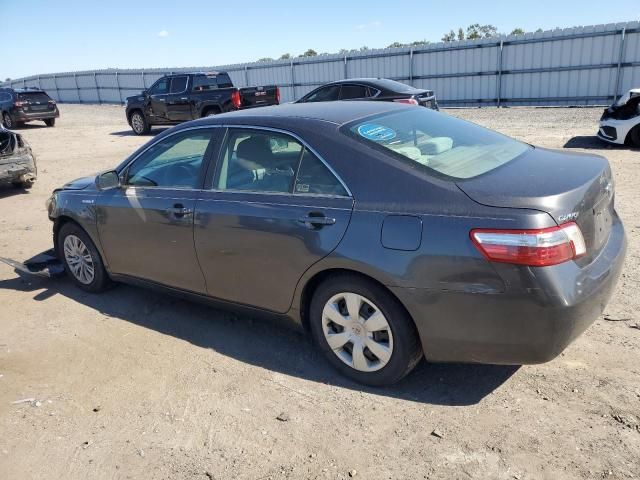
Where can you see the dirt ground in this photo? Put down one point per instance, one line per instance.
(134, 384)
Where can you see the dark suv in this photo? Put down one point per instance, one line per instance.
(20, 105)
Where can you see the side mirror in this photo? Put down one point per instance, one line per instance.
(108, 180)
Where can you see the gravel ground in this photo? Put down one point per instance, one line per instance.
(134, 384)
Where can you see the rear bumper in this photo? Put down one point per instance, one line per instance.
(529, 323)
(28, 117)
(18, 168)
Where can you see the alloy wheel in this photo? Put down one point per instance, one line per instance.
(357, 331)
(137, 122)
(79, 259)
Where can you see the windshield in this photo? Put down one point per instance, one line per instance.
(437, 141)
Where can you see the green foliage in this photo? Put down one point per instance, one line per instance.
(285, 56)
(518, 31)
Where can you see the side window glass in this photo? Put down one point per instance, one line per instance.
(314, 177)
(326, 94)
(178, 84)
(258, 161)
(175, 161)
(161, 86)
(353, 91)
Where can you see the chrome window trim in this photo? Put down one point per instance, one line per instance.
(305, 145)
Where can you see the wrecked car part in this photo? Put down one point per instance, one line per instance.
(45, 264)
(17, 162)
(620, 123)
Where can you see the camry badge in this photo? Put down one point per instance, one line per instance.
(568, 217)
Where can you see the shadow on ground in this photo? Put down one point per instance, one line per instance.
(129, 133)
(272, 344)
(592, 142)
(8, 190)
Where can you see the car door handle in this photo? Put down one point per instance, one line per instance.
(161, 100)
(316, 220)
(179, 211)
(184, 98)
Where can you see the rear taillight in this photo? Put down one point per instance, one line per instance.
(536, 248)
(410, 101)
(235, 98)
(278, 95)
(19, 104)
(52, 102)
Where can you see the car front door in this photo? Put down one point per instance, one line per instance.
(157, 100)
(274, 209)
(178, 102)
(146, 226)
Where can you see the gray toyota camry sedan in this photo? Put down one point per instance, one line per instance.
(388, 231)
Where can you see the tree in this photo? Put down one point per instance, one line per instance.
(419, 43)
(265, 59)
(476, 31)
(8, 79)
(460, 34)
(396, 45)
(309, 53)
(449, 37)
(285, 56)
(539, 30)
(517, 31)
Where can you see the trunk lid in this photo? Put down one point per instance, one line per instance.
(258, 96)
(568, 186)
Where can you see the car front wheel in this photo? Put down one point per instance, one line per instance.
(363, 330)
(139, 124)
(50, 122)
(7, 121)
(81, 259)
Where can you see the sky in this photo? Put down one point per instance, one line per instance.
(67, 35)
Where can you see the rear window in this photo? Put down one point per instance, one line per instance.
(437, 142)
(211, 82)
(33, 97)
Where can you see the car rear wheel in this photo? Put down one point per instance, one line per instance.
(81, 259)
(50, 122)
(364, 332)
(7, 121)
(139, 124)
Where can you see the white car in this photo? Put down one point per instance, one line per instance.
(620, 123)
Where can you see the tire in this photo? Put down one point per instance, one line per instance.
(210, 112)
(139, 123)
(394, 334)
(50, 122)
(634, 136)
(7, 121)
(68, 247)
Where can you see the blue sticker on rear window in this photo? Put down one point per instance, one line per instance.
(377, 133)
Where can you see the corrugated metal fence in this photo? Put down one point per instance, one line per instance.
(574, 66)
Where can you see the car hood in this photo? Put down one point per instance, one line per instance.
(79, 183)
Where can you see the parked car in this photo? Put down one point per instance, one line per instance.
(186, 96)
(20, 105)
(620, 123)
(389, 231)
(379, 89)
(17, 162)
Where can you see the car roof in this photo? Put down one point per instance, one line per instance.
(337, 113)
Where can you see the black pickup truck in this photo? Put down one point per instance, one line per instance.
(186, 96)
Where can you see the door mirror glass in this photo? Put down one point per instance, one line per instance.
(108, 180)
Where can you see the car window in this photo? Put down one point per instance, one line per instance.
(315, 178)
(224, 81)
(372, 92)
(436, 142)
(178, 84)
(161, 86)
(326, 94)
(5, 97)
(258, 161)
(174, 161)
(34, 97)
(353, 91)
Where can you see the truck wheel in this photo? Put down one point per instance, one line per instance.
(6, 120)
(139, 124)
(50, 122)
(210, 112)
(634, 136)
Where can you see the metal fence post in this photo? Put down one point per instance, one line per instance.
(144, 86)
(616, 93)
(95, 80)
(293, 81)
(499, 80)
(246, 76)
(39, 85)
(411, 66)
(55, 84)
(346, 69)
(118, 85)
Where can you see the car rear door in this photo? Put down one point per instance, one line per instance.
(157, 100)
(353, 92)
(146, 226)
(274, 209)
(178, 101)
